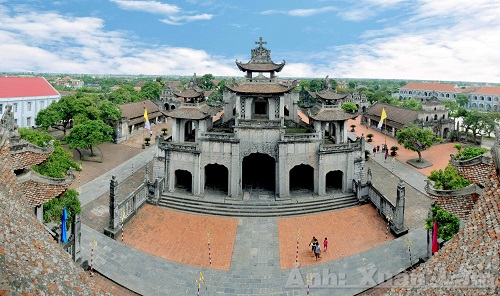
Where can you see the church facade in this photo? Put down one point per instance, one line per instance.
(258, 141)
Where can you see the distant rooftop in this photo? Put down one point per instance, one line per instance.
(18, 87)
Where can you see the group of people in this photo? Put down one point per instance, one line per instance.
(316, 248)
(384, 148)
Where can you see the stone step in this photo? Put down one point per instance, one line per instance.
(307, 206)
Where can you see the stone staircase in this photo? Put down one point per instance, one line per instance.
(229, 208)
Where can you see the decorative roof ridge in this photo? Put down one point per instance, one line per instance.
(38, 178)
(25, 146)
(480, 159)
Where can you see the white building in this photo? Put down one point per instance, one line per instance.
(27, 95)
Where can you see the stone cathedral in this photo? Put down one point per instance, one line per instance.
(260, 138)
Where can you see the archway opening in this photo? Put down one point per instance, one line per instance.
(216, 178)
(334, 180)
(183, 180)
(259, 172)
(167, 106)
(446, 133)
(302, 178)
(189, 132)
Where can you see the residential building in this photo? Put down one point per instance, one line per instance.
(28, 96)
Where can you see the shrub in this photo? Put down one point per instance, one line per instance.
(52, 210)
(448, 224)
(349, 107)
(470, 152)
(449, 179)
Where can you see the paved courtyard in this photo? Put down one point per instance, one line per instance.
(247, 247)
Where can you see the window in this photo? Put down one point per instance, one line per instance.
(15, 107)
(28, 107)
(42, 105)
(1, 108)
(28, 121)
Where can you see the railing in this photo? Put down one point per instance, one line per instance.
(183, 147)
(73, 245)
(214, 136)
(335, 148)
(257, 123)
(131, 205)
(383, 205)
(305, 137)
(190, 105)
(331, 106)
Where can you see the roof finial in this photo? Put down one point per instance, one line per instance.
(260, 42)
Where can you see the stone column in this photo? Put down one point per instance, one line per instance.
(398, 226)
(77, 232)
(282, 178)
(39, 213)
(321, 176)
(113, 203)
(196, 175)
(235, 171)
(349, 173)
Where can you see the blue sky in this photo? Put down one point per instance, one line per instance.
(388, 39)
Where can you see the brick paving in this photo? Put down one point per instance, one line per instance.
(182, 237)
(438, 155)
(350, 231)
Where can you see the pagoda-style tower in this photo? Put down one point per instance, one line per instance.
(259, 144)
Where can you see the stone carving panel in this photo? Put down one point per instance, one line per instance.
(277, 109)
(242, 103)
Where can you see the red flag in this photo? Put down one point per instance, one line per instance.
(435, 246)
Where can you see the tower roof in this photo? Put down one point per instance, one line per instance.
(261, 60)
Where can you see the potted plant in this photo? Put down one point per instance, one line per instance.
(369, 136)
(352, 127)
(367, 154)
(393, 150)
(147, 139)
(164, 130)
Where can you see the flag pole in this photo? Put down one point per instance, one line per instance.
(144, 120)
(385, 134)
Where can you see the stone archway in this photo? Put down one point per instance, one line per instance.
(183, 180)
(334, 180)
(301, 178)
(446, 133)
(259, 172)
(216, 177)
(189, 131)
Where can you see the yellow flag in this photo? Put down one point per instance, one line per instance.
(382, 117)
(146, 119)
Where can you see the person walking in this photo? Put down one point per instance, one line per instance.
(313, 244)
(386, 154)
(374, 151)
(378, 148)
(325, 244)
(317, 251)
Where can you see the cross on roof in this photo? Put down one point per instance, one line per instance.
(260, 42)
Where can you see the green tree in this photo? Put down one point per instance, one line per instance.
(462, 100)
(151, 90)
(448, 179)
(316, 85)
(109, 111)
(349, 107)
(415, 139)
(411, 104)
(58, 163)
(476, 122)
(125, 94)
(52, 210)
(352, 84)
(48, 116)
(448, 224)
(469, 152)
(206, 82)
(89, 134)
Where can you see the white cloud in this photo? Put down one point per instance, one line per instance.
(50, 42)
(301, 12)
(180, 20)
(148, 6)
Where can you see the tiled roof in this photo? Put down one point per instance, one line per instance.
(478, 174)
(136, 109)
(443, 87)
(260, 88)
(488, 90)
(328, 94)
(25, 155)
(396, 116)
(473, 251)
(190, 112)
(190, 93)
(18, 87)
(459, 206)
(332, 115)
(260, 67)
(39, 189)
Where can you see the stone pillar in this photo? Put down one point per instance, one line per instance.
(168, 173)
(282, 178)
(398, 226)
(321, 176)
(113, 203)
(429, 232)
(235, 171)
(369, 176)
(39, 213)
(196, 175)
(349, 173)
(77, 232)
(175, 130)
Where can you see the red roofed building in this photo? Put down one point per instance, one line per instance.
(486, 98)
(442, 91)
(27, 95)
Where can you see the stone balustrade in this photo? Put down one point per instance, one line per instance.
(304, 137)
(335, 148)
(264, 123)
(214, 136)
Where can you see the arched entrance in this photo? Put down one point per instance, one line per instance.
(216, 178)
(259, 172)
(167, 106)
(446, 133)
(302, 178)
(334, 180)
(183, 180)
